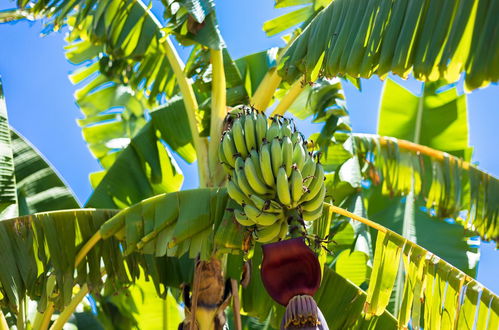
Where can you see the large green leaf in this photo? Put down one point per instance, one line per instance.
(435, 291)
(436, 119)
(8, 196)
(44, 245)
(144, 169)
(446, 187)
(306, 11)
(434, 39)
(193, 21)
(39, 187)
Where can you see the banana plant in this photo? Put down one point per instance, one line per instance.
(260, 180)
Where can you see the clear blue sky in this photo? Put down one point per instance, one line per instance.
(41, 105)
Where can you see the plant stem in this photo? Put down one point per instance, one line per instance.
(191, 106)
(218, 112)
(87, 247)
(265, 91)
(3, 322)
(295, 223)
(69, 309)
(411, 146)
(372, 224)
(236, 303)
(47, 315)
(290, 97)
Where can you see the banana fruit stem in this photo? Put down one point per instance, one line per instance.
(265, 91)
(218, 112)
(191, 106)
(295, 223)
(288, 99)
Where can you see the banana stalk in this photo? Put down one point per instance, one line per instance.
(290, 97)
(3, 322)
(265, 91)
(191, 106)
(69, 309)
(218, 112)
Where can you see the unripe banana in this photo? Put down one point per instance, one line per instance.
(296, 183)
(242, 182)
(267, 233)
(316, 202)
(287, 154)
(266, 165)
(311, 216)
(236, 194)
(274, 130)
(283, 187)
(260, 128)
(286, 128)
(308, 171)
(242, 218)
(223, 161)
(260, 217)
(249, 132)
(229, 149)
(297, 137)
(239, 141)
(283, 231)
(299, 155)
(276, 154)
(266, 205)
(315, 186)
(253, 177)
(256, 161)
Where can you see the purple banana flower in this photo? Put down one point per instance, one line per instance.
(291, 275)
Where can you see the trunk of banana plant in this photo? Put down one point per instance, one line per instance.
(204, 310)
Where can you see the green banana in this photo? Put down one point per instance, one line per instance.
(260, 128)
(266, 205)
(315, 186)
(283, 187)
(256, 161)
(236, 194)
(225, 164)
(229, 149)
(283, 231)
(249, 132)
(274, 130)
(267, 233)
(254, 178)
(286, 128)
(242, 218)
(308, 170)
(276, 154)
(242, 182)
(296, 183)
(266, 165)
(311, 216)
(316, 202)
(239, 140)
(296, 137)
(260, 217)
(287, 154)
(299, 155)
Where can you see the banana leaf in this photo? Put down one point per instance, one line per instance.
(432, 39)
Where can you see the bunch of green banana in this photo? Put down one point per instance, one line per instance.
(271, 173)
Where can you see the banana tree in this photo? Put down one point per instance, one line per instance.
(253, 244)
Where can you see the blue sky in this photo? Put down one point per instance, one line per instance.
(41, 105)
